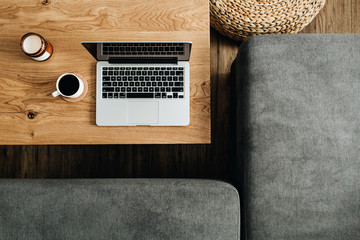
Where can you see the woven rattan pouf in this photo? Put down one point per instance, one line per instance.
(240, 19)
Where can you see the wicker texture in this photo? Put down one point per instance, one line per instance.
(240, 19)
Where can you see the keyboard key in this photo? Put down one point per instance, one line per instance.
(177, 89)
(114, 84)
(169, 96)
(116, 95)
(168, 89)
(104, 95)
(140, 95)
(110, 95)
(179, 84)
(134, 89)
(175, 95)
(181, 96)
(117, 89)
(122, 95)
(157, 95)
(106, 78)
(151, 89)
(106, 84)
(162, 89)
(108, 89)
(163, 95)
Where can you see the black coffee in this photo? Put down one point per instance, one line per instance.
(68, 85)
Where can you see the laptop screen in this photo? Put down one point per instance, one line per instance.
(105, 51)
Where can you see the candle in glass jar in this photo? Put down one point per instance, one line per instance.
(36, 47)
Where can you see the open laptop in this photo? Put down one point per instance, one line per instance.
(142, 83)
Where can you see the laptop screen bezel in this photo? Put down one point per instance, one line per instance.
(95, 49)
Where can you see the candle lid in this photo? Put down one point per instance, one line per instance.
(31, 43)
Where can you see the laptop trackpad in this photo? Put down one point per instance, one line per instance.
(143, 113)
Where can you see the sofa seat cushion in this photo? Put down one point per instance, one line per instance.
(118, 209)
(298, 126)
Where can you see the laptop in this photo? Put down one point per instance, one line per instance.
(142, 83)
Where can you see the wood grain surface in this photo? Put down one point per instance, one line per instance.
(26, 85)
(165, 160)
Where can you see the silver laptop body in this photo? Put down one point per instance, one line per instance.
(142, 83)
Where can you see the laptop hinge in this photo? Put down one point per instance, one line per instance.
(143, 60)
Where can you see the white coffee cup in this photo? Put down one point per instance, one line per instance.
(69, 85)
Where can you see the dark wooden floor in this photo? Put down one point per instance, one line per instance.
(190, 161)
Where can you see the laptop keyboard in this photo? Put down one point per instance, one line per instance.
(131, 49)
(143, 82)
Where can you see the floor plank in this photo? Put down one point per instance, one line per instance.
(189, 161)
(335, 17)
(355, 16)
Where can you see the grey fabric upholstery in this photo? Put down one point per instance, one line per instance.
(118, 209)
(298, 136)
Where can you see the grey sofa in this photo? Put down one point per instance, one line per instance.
(298, 136)
(118, 209)
(296, 157)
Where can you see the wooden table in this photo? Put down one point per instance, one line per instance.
(28, 112)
